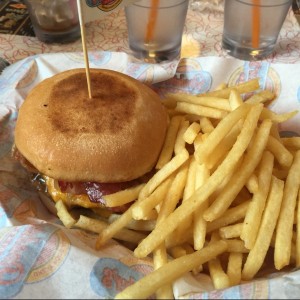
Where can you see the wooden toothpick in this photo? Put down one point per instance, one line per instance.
(83, 40)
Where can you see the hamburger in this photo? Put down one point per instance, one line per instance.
(78, 149)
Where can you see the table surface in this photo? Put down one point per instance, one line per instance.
(202, 37)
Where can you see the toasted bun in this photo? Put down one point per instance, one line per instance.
(115, 136)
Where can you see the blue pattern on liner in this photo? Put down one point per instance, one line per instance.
(28, 241)
(109, 276)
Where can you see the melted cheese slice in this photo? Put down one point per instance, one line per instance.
(69, 199)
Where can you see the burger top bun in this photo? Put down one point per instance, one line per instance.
(115, 136)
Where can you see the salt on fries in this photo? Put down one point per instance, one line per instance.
(225, 192)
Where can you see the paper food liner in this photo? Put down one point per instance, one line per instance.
(39, 258)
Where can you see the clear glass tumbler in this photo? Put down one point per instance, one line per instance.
(159, 38)
(54, 21)
(251, 27)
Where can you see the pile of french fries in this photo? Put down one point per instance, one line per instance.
(223, 200)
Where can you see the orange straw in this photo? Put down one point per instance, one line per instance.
(255, 23)
(151, 21)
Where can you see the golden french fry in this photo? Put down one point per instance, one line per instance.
(177, 251)
(171, 271)
(202, 194)
(206, 125)
(235, 99)
(175, 192)
(200, 110)
(297, 246)
(284, 228)
(252, 184)
(261, 97)
(231, 216)
(160, 259)
(216, 136)
(115, 227)
(220, 152)
(275, 132)
(219, 278)
(234, 268)
(141, 210)
(199, 224)
(278, 118)
(214, 102)
(258, 253)
(238, 180)
(97, 226)
(291, 142)
(168, 147)
(236, 245)
(180, 142)
(256, 207)
(231, 231)
(163, 173)
(221, 86)
(64, 215)
(282, 155)
(191, 132)
(189, 189)
(138, 225)
(123, 197)
(242, 88)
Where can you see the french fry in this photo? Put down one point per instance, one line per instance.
(297, 246)
(277, 118)
(214, 102)
(216, 136)
(235, 99)
(231, 216)
(202, 194)
(242, 88)
(234, 268)
(168, 147)
(171, 271)
(238, 180)
(97, 226)
(291, 142)
(220, 152)
(261, 97)
(219, 278)
(236, 245)
(180, 142)
(187, 193)
(140, 211)
(64, 215)
(231, 231)
(160, 259)
(177, 251)
(221, 86)
(252, 184)
(138, 225)
(200, 110)
(284, 229)
(191, 132)
(115, 227)
(199, 224)
(163, 173)
(256, 207)
(282, 155)
(123, 197)
(175, 192)
(258, 253)
(206, 125)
